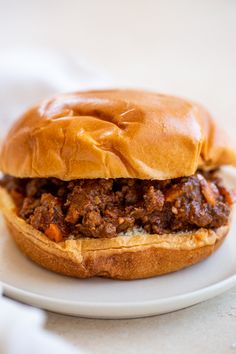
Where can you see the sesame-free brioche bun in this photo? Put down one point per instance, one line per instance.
(127, 257)
(113, 134)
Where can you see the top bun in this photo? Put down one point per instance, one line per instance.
(113, 134)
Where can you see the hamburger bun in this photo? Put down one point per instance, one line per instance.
(113, 134)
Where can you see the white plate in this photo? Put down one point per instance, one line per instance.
(104, 298)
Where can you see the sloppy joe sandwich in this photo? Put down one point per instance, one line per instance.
(122, 184)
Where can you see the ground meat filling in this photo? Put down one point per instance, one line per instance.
(107, 207)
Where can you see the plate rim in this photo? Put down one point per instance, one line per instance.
(215, 288)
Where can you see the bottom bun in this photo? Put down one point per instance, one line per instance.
(132, 256)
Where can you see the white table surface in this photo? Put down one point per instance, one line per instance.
(182, 47)
(209, 327)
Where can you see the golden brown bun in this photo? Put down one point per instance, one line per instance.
(122, 257)
(112, 134)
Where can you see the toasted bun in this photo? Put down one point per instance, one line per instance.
(112, 134)
(123, 257)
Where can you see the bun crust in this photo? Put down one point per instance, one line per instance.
(122, 257)
(112, 134)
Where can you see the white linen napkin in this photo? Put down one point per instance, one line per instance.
(27, 76)
(21, 331)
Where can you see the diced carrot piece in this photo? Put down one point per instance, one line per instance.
(54, 233)
(230, 196)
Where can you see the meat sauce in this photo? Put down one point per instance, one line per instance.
(104, 208)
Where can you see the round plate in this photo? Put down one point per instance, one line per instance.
(105, 298)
